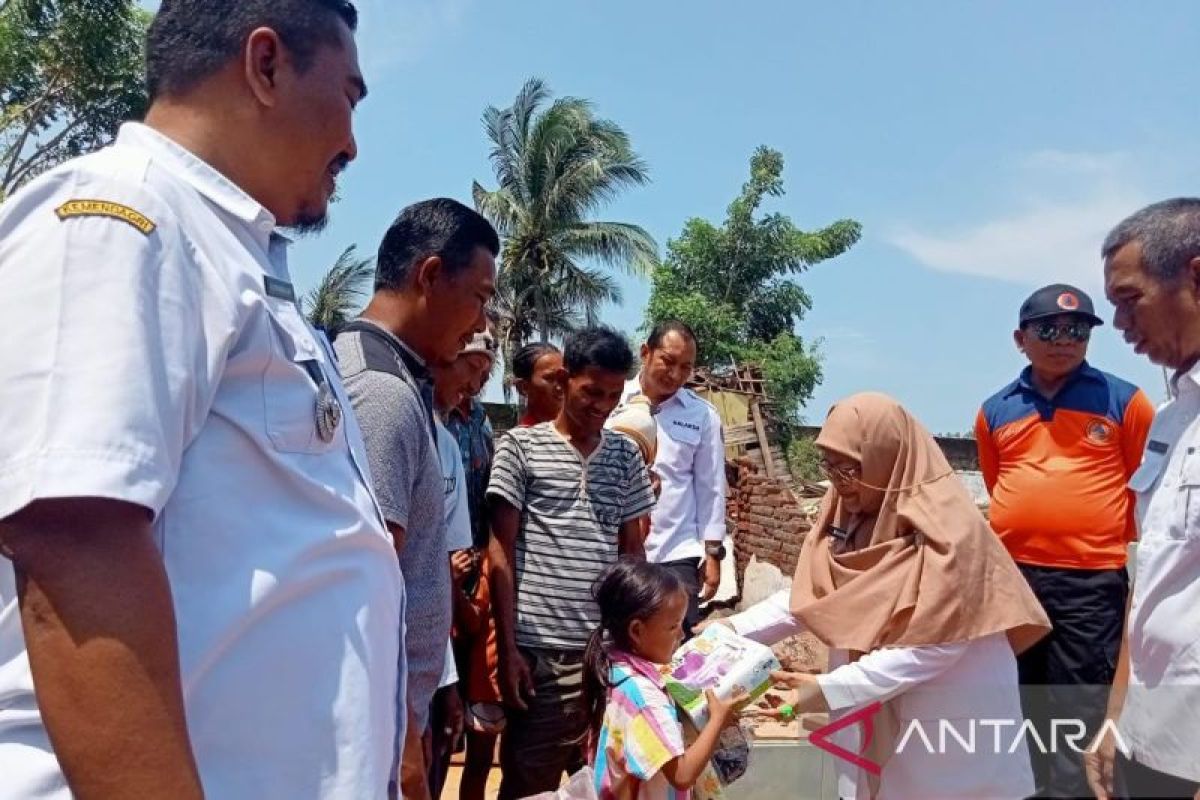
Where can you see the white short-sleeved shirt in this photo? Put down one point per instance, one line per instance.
(458, 514)
(691, 465)
(153, 353)
(458, 519)
(1160, 721)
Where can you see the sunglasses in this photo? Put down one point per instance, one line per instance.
(1075, 331)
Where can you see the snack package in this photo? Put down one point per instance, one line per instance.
(720, 660)
(729, 762)
(580, 786)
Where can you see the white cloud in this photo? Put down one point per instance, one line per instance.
(849, 348)
(393, 32)
(1105, 165)
(1067, 203)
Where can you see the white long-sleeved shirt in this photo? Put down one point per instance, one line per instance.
(691, 465)
(1160, 721)
(940, 696)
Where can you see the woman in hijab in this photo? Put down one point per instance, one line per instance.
(923, 611)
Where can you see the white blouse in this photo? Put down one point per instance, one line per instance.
(957, 706)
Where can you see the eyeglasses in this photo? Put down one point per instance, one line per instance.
(1076, 331)
(840, 474)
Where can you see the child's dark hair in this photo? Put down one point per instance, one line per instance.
(597, 347)
(527, 357)
(631, 589)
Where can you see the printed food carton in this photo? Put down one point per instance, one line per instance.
(720, 660)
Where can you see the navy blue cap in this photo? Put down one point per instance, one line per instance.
(1056, 299)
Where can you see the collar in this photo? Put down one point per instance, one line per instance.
(207, 181)
(643, 667)
(682, 398)
(1186, 382)
(415, 364)
(475, 413)
(1085, 372)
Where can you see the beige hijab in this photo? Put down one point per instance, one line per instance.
(926, 568)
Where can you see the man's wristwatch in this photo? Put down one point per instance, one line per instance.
(715, 550)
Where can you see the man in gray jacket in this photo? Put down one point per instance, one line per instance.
(434, 275)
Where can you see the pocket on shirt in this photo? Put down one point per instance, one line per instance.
(289, 391)
(1189, 486)
(607, 503)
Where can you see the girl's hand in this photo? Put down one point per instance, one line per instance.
(722, 712)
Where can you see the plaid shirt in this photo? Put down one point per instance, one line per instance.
(473, 431)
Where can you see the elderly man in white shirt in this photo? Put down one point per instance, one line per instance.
(1152, 276)
(687, 526)
(199, 596)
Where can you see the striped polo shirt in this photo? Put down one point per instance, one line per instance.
(1057, 468)
(572, 509)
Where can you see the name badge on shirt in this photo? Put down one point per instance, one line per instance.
(280, 290)
(681, 430)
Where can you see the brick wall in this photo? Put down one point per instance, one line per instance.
(768, 521)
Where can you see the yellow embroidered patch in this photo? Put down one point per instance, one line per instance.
(105, 208)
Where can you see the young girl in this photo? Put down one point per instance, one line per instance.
(636, 738)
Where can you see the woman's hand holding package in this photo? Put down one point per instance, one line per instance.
(806, 696)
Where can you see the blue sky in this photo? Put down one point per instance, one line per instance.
(986, 147)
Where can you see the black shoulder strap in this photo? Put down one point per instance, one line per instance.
(382, 354)
(379, 351)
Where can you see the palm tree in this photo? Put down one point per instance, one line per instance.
(340, 294)
(555, 167)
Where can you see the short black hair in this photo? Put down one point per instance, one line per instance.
(659, 332)
(438, 227)
(191, 40)
(600, 347)
(528, 356)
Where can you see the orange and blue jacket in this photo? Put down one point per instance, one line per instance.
(1057, 469)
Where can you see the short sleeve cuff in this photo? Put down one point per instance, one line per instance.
(110, 474)
(394, 516)
(506, 495)
(639, 510)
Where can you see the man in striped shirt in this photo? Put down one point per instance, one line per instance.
(566, 497)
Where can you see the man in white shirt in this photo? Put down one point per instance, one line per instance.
(1152, 276)
(198, 594)
(687, 526)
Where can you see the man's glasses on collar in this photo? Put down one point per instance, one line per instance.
(1075, 331)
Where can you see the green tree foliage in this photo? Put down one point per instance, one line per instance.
(804, 459)
(733, 284)
(556, 165)
(340, 295)
(70, 74)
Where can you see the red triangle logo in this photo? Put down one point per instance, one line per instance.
(866, 714)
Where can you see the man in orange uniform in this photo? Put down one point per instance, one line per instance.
(1057, 447)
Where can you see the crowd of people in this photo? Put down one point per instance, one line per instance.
(242, 560)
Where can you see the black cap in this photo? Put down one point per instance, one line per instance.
(1056, 299)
